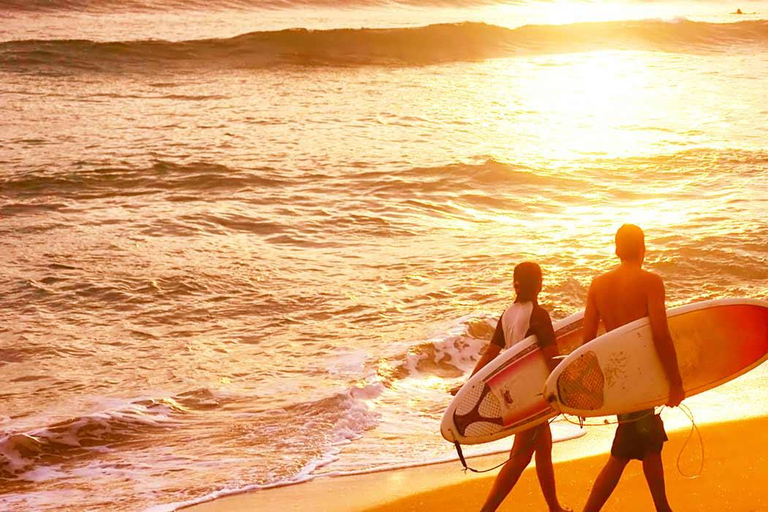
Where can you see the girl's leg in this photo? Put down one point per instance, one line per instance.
(544, 469)
(522, 451)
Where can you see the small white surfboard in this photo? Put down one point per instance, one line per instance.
(506, 395)
(620, 371)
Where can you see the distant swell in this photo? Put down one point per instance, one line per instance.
(161, 177)
(28, 6)
(382, 47)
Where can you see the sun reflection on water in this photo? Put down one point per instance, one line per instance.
(596, 103)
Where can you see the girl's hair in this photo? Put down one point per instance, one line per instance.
(527, 280)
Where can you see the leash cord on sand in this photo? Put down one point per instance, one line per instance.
(695, 427)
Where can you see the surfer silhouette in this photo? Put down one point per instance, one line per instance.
(616, 298)
(520, 320)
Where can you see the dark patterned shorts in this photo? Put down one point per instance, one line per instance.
(638, 434)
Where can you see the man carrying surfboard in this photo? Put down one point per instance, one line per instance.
(617, 298)
(522, 319)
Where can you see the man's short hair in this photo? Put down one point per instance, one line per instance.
(630, 242)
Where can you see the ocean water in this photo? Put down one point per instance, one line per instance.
(249, 245)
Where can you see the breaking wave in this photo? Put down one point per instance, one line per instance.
(21, 453)
(431, 44)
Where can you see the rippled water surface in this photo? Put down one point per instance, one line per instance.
(221, 273)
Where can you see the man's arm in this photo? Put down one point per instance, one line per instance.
(662, 340)
(591, 316)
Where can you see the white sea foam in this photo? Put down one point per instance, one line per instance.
(567, 432)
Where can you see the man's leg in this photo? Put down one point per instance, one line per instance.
(544, 469)
(605, 483)
(654, 475)
(522, 451)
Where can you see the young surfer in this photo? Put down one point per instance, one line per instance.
(522, 319)
(616, 298)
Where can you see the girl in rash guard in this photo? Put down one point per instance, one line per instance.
(520, 320)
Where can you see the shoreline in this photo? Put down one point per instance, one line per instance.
(732, 470)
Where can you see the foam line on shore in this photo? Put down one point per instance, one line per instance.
(306, 474)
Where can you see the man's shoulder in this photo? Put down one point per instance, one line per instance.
(651, 279)
(613, 274)
(600, 280)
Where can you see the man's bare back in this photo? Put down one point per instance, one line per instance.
(623, 295)
(628, 293)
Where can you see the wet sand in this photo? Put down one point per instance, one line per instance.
(735, 468)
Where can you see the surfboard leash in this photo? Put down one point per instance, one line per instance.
(467, 467)
(687, 411)
(582, 420)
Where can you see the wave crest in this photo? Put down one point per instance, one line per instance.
(30, 6)
(431, 44)
(450, 354)
(90, 434)
(161, 177)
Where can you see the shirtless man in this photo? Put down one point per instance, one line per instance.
(616, 298)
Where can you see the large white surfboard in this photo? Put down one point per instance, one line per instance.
(620, 371)
(506, 395)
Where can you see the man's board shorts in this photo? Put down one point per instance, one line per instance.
(638, 434)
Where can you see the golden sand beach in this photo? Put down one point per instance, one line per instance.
(733, 479)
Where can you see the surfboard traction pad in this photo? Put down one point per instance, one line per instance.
(582, 384)
(485, 416)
